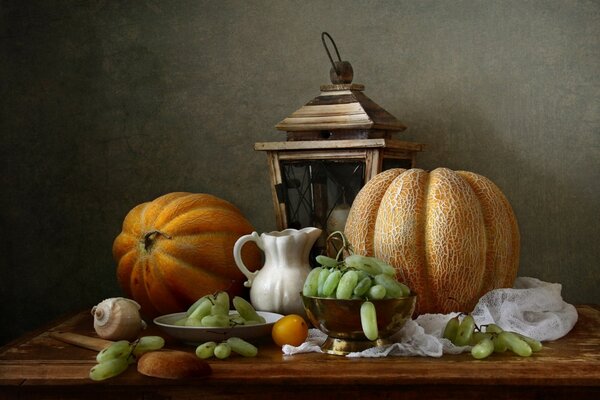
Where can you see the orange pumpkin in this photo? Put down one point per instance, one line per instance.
(452, 235)
(179, 247)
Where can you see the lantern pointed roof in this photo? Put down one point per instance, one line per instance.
(341, 107)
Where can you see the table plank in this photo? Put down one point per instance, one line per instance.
(38, 365)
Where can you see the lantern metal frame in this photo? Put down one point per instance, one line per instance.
(372, 153)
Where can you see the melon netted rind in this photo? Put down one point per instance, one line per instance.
(452, 235)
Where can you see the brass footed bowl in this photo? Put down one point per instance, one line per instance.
(340, 321)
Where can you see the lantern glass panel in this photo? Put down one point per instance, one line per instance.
(316, 191)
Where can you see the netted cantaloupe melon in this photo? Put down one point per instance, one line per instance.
(452, 235)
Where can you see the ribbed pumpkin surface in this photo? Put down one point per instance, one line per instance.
(451, 234)
(179, 247)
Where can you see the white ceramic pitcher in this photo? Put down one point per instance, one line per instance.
(277, 285)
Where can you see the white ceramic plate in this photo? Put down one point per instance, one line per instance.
(197, 335)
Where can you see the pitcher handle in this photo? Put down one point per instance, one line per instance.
(237, 255)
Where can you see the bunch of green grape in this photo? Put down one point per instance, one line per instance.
(493, 340)
(356, 277)
(223, 350)
(212, 311)
(114, 359)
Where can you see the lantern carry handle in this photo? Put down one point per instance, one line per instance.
(328, 53)
(341, 73)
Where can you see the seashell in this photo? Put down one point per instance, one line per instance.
(118, 318)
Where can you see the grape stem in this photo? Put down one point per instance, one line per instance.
(346, 246)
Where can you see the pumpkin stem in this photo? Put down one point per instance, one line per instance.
(150, 237)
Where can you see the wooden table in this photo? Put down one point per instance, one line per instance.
(37, 366)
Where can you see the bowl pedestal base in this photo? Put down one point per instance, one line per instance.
(341, 347)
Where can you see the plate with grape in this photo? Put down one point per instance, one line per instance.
(210, 319)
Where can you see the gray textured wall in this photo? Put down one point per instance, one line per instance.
(108, 104)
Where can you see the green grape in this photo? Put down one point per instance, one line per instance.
(203, 308)
(222, 350)
(362, 263)
(362, 287)
(206, 350)
(515, 344)
(451, 329)
(499, 345)
(242, 347)
(246, 310)
(148, 343)
(215, 321)
(326, 261)
(347, 284)
(405, 289)
(194, 321)
(362, 275)
(535, 345)
(118, 349)
(195, 305)
(392, 287)
(483, 348)
(465, 331)
(323, 275)
(236, 319)
(311, 284)
(368, 320)
(385, 267)
(372, 265)
(331, 283)
(376, 292)
(180, 322)
(221, 305)
(478, 336)
(493, 328)
(109, 368)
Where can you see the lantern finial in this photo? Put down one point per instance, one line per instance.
(341, 111)
(341, 71)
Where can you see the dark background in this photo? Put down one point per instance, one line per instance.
(107, 104)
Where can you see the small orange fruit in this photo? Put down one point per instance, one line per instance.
(291, 329)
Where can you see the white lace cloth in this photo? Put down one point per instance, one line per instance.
(533, 308)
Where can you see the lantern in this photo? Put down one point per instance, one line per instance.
(334, 144)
